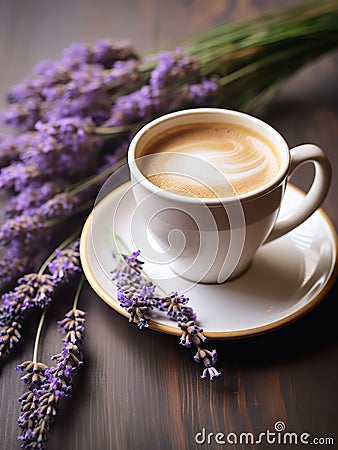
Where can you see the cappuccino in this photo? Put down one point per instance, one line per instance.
(209, 160)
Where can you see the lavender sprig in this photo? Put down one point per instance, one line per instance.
(13, 268)
(138, 296)
(135, 294)
(65, 264)
(36, 290)
(25, 228)
(46, 386)
(33, 196)
(9, 337)
(33, 290)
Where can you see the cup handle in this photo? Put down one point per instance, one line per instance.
(307, 153)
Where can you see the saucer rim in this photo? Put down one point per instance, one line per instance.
(220, 335)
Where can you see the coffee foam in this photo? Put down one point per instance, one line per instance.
(210, 160)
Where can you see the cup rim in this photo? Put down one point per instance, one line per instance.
(256, 193)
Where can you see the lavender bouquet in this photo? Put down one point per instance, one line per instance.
(72, 122)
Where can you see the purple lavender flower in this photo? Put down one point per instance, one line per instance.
(203, 93)
(125, 74)
(11, 308)
(46, 386)
(12, 268)
(202, 355)
(107, 52)
(35, 373)
(15, 249)
(211, 372)
(165, 100)
(207, 357)
(76, 55)
(192, 334)
(44, 152)
(51, 72)
(145, 103)
(128, 274)
(94, 105)
(138, 297)
(174, 304)
(88, 78)
(188, 313)
(68, 131)
(134, 262)
(9, 337)
(19, 175)
(137, 301)
(8, 150)
(21, 92)
(150, 100)
(47, 74)
(65, 264)
(132, 108)
(22, 228)
(72, 326)
(60, 378)
(85, 95)
(59, 206)
(12, 147)
(22, 115)
(52, 95)
(63, 148)
(174, 68)
(135, 295)
(104, 52)
(32, 290)
(37, 289)
(32, 197)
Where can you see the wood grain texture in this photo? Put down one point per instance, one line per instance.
(139, 389)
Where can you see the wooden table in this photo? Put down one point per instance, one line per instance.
(141, 390)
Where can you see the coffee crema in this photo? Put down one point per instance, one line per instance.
(210, 160)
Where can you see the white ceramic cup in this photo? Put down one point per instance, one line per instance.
(212, 240)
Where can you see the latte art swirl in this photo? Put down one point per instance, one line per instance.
(211, 160)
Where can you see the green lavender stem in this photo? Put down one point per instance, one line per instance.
(38, 334)
(78, 292)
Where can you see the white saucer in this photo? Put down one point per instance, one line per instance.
(287, 278)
